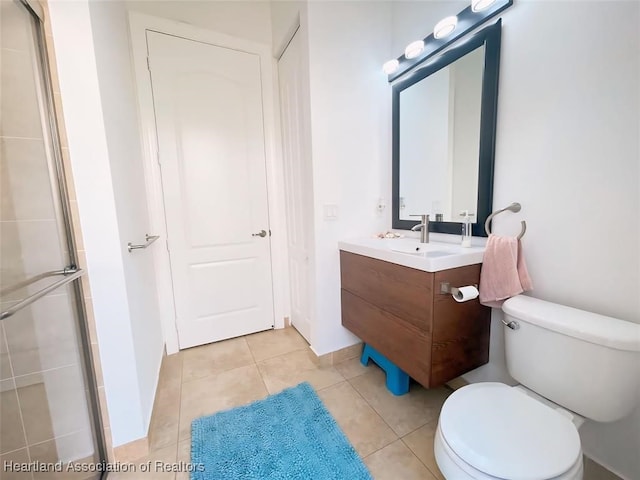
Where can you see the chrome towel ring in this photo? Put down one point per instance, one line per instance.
(514, 207)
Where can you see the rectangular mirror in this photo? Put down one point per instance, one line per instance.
(444, 117)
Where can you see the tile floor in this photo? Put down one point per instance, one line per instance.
(394, 435)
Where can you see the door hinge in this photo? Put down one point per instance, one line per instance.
(269, 232)
(166, 242)
(148, 64)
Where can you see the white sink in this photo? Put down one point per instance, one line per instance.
(429, 257)
(413, 247)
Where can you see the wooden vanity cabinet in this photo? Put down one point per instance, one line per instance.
(400, 312)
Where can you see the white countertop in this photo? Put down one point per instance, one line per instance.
(409, 252)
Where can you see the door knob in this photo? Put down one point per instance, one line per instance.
(261, 233)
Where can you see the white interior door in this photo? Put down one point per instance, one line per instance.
(211, 145)
(298, 181)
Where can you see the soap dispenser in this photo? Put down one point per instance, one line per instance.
(466, 228)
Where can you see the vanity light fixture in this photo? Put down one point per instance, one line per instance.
(445, 26)
(390, 66)
(447, 31)
(414, 49)
(479, 5)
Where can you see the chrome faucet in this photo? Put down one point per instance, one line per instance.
(423, 227)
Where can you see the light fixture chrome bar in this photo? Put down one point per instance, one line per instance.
(25, 283)
(149, 239)
(41, 293)
(467, 21)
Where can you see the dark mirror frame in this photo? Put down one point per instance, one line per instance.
(490, 38)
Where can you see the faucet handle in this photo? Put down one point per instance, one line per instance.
(425, 217)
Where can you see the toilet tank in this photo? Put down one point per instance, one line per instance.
(586, 362)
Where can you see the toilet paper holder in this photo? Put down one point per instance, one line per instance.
(447, 289)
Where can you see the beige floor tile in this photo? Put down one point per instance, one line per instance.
(403, 413)
(353, 368)
(354, 351)
(295, 367)
(163, 430)
(12, 433)
(18, 456)
(364, 428)
(420, 442)
(48, 452)
(395, 462)
(156, 465)
(594, 471)
(215, 358)
(171, 371)
(272, 343)
(184, 458)
(37, 416)
(218, 392)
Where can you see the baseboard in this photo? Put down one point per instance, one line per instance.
(332, 358)
(132, 451)
(605, 466)
(457, 383)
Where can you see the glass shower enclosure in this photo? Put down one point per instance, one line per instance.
(49, 419)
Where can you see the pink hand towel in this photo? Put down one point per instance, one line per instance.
(504, 272)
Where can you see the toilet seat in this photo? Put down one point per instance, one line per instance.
(494, 431)
(454, 468)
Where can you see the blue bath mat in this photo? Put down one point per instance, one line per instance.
(286, 436)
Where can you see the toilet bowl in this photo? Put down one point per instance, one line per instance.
(571, 365)
(491, 431)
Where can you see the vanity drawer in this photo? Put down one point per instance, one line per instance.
(405, 345)
(460, 330)
(404, 292)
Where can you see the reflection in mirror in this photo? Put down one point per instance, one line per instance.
(440, 139)
(444, 131)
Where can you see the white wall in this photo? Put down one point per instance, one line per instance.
(250, 20)
(286, 17)
(85, 126)
(350, 128)
(115, 76)
(347, 42)
(567, 149)
(95, 34)
(578, 99)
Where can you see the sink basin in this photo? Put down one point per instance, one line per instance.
(429, 257)
(412, 247)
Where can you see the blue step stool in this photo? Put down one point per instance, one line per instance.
(397, 380)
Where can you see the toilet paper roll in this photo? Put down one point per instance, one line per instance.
(464, 294)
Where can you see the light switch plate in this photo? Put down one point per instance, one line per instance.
(330, 211)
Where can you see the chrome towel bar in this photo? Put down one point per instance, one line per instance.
(25, 283)
(514, 207)
(148, 238)
(69, 277)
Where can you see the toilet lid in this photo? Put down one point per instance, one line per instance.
(503, 432)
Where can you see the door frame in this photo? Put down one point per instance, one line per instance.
(138, 25)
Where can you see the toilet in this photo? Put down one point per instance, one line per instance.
(572, 365)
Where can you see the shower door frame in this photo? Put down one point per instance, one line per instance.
(58, 180)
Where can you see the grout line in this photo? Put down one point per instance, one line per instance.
(13, 137)
(435, 419)
(436, 477)
(382, 448)
(15, 390)
(256, 365)
(306, 348)
(381, 418)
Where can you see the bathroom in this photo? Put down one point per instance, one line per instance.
(566, 149)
